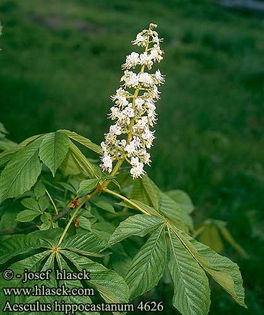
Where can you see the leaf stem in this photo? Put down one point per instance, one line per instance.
(125, 199)
(82, 202)
(52, 201)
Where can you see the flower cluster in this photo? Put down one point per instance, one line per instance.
(134, 108)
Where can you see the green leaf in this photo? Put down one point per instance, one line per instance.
(210, 237)
(229, 238)
(88, 168)
(138, 205)
(31, 263)
(14, 246)
(148, 265)
(43, 203)
(21, 172)
(39, 189)
(146, 191)
(182, 199)
(27, 215)
(223, 270)
(103, 205)
(84, 223)
(191, 287)
(86, 186)
(109, 284)
(70, 166)
(53, 150)
(30, 203)
(171, 209)
(72, 284)
(85, 242)
(82, 140)
(19, 146)
(139, 225)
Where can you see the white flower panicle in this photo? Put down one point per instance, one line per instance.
(134, 110)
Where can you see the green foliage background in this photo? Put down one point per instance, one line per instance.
(60, 62)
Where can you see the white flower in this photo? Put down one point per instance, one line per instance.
(136, 142)
(145, 78)
(134, 110)
(134, 161)
(137, 171)
(141, 40)
(115, 129)
(128, 111)
(130, 78)
(159, 77)
(130, 148)
(107, 163)
(156, 53)
(146, 59)
(132, 60)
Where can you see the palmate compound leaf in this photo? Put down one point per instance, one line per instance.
(53, 150)
(21, 172)
(139, 225)
(223, 270)
(191, 287)
(148, 265)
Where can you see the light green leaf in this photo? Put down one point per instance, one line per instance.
(183, 200)
(21, 172)
(86, 186)
(82, 140)
(53, 150)
(148, 265)
(146, 191)
(139, 225)
(191, 287)
(27, 215)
